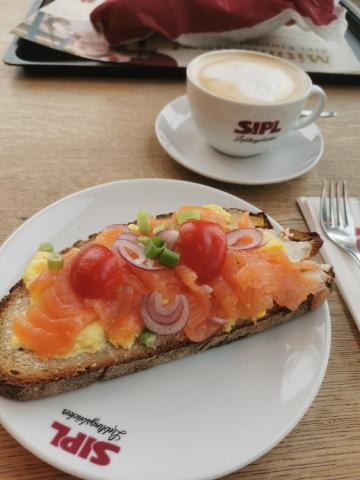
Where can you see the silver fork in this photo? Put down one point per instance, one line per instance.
(336, 217)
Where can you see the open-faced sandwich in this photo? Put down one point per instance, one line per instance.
(138, 295)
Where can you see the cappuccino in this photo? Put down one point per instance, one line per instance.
(250, 78)
(244, 102)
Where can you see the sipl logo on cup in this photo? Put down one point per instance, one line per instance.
(82, 445)
(257, 128)
(248, 127)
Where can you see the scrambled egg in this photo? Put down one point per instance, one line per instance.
(229, 326)
(232, 321)
(134, 228)
(126, 342)
(90, 340)
(36, 266)
(273, 242)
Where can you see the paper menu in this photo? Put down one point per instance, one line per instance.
(308, 50)
(64, 25)
(78, 10)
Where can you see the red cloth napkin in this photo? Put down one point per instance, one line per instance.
(128, 20)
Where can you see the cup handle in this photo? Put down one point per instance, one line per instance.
(304, 121)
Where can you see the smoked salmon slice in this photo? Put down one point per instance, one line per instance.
(199, 326)
(226, 296)
(58, 315)
(261, 277)
(164, 281)
(120, 316)
(44, 342)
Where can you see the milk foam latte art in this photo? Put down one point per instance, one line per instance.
(244, 102)
(252, 79)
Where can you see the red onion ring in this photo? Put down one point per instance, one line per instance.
(163, 329)
(218, 320)
(164, 319)
(253, 233)
(170, 237)
(164, 310)
(141, 262)
(121, 245)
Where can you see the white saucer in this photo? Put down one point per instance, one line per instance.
(293, 156)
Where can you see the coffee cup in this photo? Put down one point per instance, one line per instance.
(244, 102)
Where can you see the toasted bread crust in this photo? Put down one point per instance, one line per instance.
(315, 239)
(23, 376)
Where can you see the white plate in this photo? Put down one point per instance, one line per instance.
(295, 155)
(197, 418)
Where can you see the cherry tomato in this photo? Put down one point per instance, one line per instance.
(203, 248)
(95, 272)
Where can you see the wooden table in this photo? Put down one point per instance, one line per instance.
(60, 135)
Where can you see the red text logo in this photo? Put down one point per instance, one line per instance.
(82, 445)
(257, 128)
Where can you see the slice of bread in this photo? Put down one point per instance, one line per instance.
(24, 376)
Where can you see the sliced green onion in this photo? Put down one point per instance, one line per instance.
(154, 248)
(158, 242)
(55, 261)
(148, 339)
(143, 222)
(143, 239)
(159, 229)
(189, 215)
(169, 257)
(46, 247)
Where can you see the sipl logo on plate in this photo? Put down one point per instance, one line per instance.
(98, 452)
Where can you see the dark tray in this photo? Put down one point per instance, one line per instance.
(37, 58)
